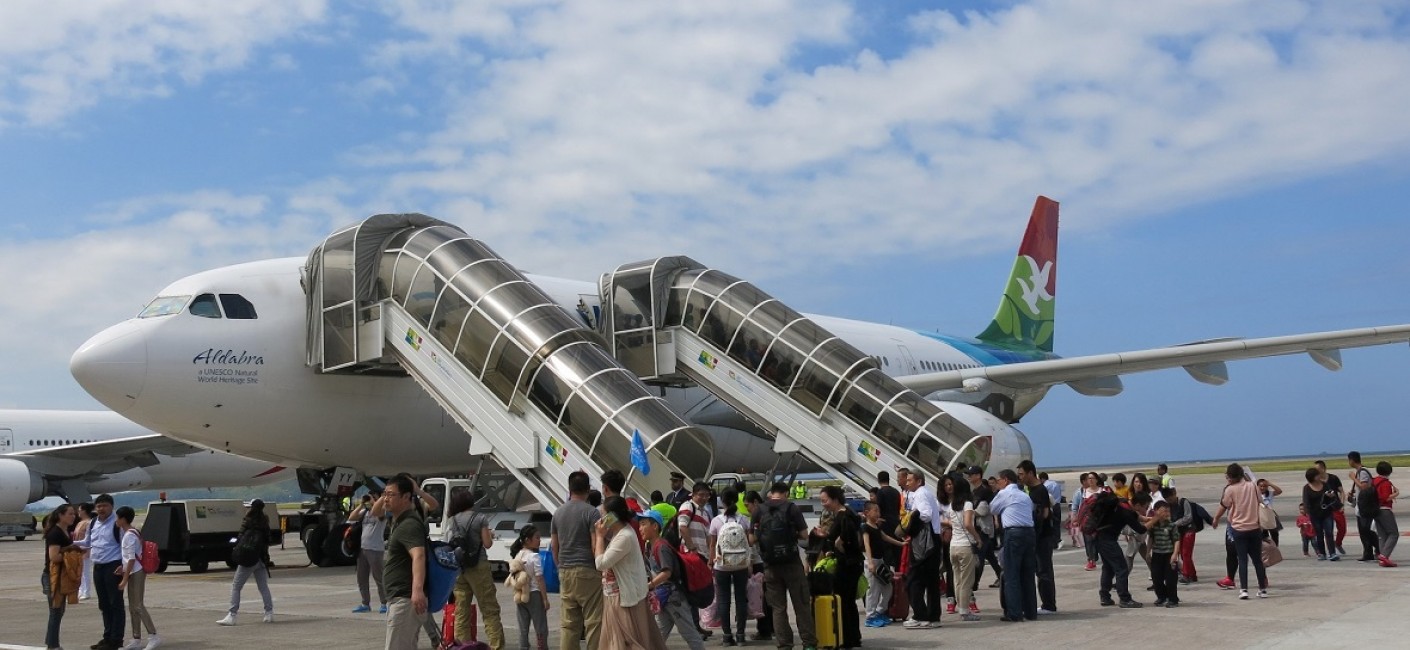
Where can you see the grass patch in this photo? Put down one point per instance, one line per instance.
(1335, 464)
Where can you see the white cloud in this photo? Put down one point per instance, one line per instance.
(697, 124)
(65, 289)
(58, 58)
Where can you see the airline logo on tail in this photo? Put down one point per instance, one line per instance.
(1025, 315)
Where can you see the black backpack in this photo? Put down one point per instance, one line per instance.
(249, 548)
(778, 541)
(1368, 503)
(467, 542)
(1101, 509)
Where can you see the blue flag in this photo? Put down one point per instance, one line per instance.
(639, 459)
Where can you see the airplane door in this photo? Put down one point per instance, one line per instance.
(906, 362)
(7, 441)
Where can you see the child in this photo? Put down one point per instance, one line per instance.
(1165, 548)
(874, 543)
(530, 591)
(1386, 493)
(1304, 524)
(134, 581)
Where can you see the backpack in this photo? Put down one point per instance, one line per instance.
(466, 541)
(147, 556)
(1102, 506)
(518, 581)
(697, 579)
(733, 547)
(248, 548)
(778, 541)
(1368, 502)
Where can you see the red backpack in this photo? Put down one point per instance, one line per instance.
(147, 557)
(697, 578)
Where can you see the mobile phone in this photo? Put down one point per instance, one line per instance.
(609, 519)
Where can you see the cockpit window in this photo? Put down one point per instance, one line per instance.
(237, 307)
(205, 307)
(164, 306)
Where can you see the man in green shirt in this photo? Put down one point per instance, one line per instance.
(405, 572)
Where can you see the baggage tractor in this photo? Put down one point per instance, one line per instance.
(827, 618)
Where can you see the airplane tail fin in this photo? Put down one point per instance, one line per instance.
(1025, 316)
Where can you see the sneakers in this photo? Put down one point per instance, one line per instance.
(970, 616)
(1160, 602)
(1340, 550)
(921, 625)
(1321, 557)
(973, 607)
(228, 620)
(1044, 611)
(950, 606)
(1243, 594)
(153, 642)
(1262, 593)
(1108, 602)
(1091, 566)
(877, 621)
(911, 624)
(729, 642)
(1172, 603)
(1225, 583)
(1129, 604)
(135, 644)
(361, 609)
(269, 617)
(1386, 562)
(1333, 557)
(383, 609)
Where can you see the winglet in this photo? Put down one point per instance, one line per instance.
(1025, 316)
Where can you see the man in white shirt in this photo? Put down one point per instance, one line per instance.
(923, 579)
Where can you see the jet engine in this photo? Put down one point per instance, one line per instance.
(18, 485)
(1006, 444)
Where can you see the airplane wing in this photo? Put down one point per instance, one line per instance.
(1204, 360)
(105, 457)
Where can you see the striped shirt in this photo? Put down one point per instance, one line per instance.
(1163, 537)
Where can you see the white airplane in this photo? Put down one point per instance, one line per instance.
(219, 359)
(76, 454)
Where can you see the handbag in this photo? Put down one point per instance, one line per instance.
(1267, 519)
(1271, 554)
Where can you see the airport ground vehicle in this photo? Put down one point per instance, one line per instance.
(18, 525)
(195, 532)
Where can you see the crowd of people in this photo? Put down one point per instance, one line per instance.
(629, 572)
(100, 553)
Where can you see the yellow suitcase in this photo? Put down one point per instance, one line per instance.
(827, 619)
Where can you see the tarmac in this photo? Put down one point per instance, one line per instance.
(1315, 605)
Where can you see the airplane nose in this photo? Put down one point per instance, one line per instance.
(112, 366)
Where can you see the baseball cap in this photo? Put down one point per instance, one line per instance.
(973, 469)
(655, 516)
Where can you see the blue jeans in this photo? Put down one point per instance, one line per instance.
(105, 582)
(1326, 540)
(1020, 573)
(739, 580)
(56, 614)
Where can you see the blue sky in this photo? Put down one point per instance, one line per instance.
(1225, 168)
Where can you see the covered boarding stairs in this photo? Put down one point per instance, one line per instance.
(536, 389)
(673, 321)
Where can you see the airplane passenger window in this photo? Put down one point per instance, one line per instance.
(164, 306)
(237, 307)
(205, 307)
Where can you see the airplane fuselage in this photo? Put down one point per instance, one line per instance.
(242, 385)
